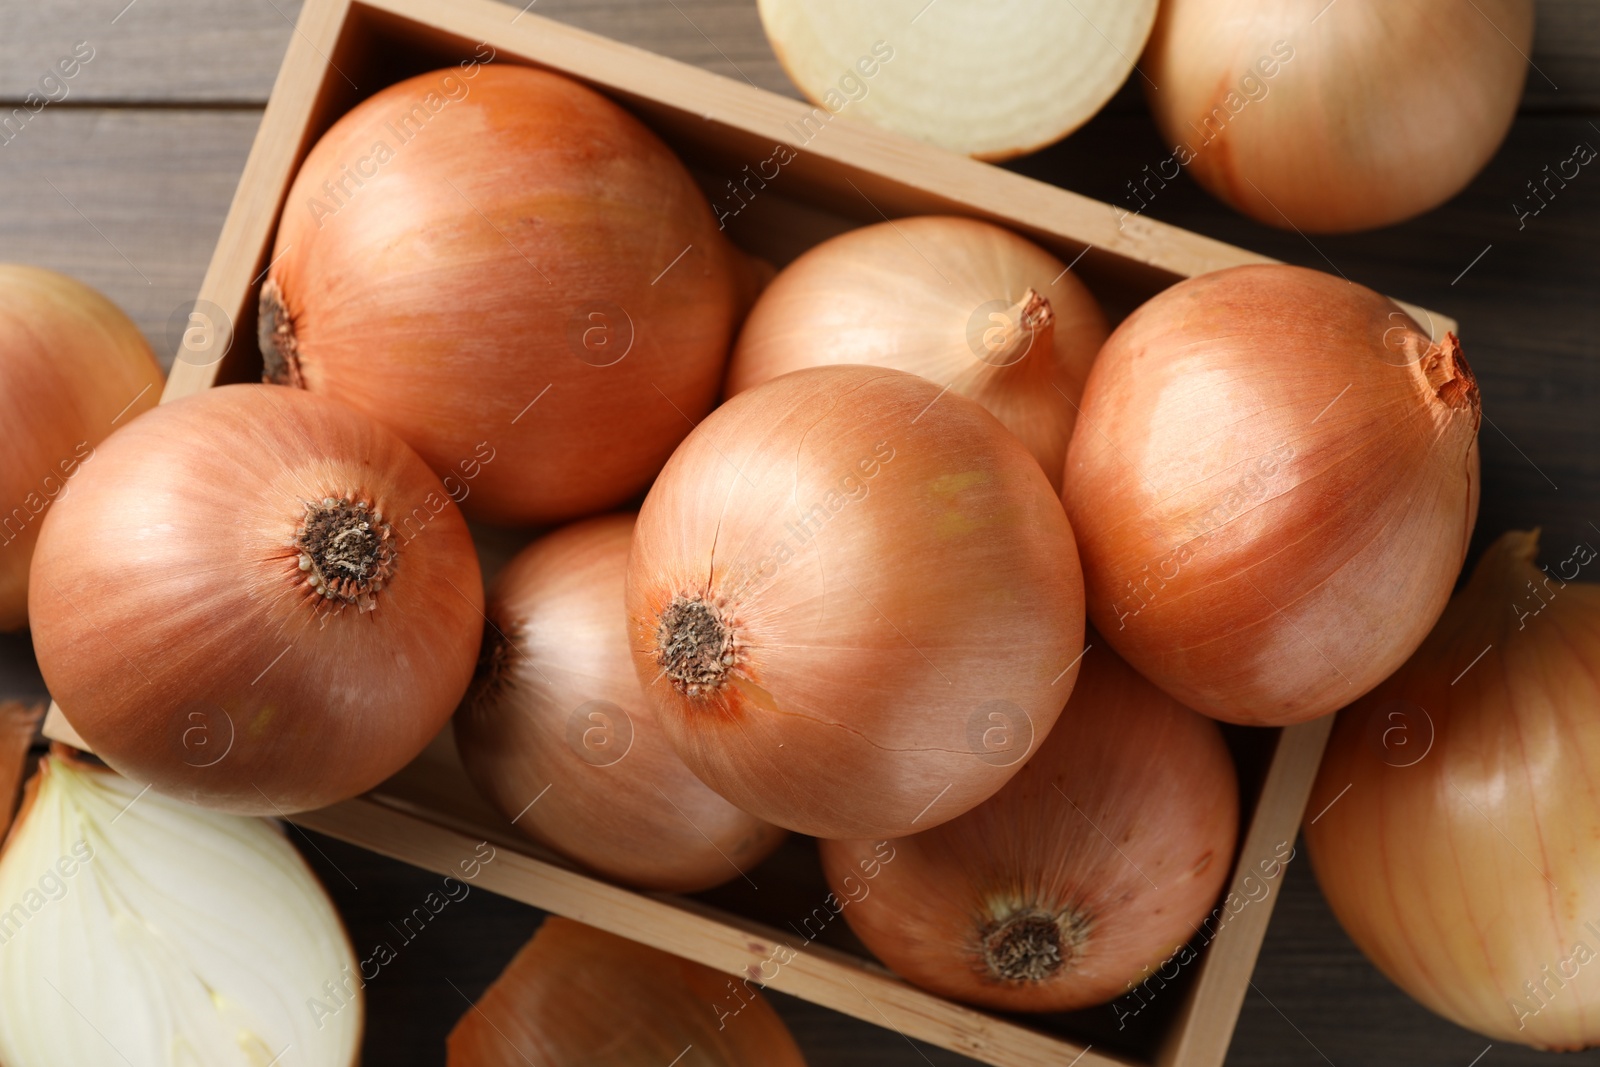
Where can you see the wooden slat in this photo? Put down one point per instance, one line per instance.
(1204, 1028)
(849, 167)
(817, 973)
(281, 139)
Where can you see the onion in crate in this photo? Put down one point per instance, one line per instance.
(1273, 481)
(513, 274)
(557, 734)
(961, 302)
(1099, 859)
(854, 602)
(256, 599)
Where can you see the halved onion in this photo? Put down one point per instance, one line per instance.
(140, 930)
(987, 78)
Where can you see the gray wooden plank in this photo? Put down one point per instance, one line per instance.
(229, 50)
(1566, 47)
(129, 201)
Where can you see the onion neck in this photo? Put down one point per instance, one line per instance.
(1451, 378)
(1029, 327)
(1029, 944)
(695, 645)
(280, 352)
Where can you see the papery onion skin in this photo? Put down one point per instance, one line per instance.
(1273, 481)
(961, 302)
(73, 368)
(527, 239)
(557, 734)
(1454, 831)
(178, 934)
(1318, 117)
(176, 628)
(1099, 859)
(850, 571)
(575, 994)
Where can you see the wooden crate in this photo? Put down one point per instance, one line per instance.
(845, 175)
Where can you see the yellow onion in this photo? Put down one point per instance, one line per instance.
(963, 303)
(1273, 480)
(514, 275)
(73, 368)
(1454, 830)
(837, 583)
(1098, 860)
(256, 599)
(144, 932)
(1319, 116)
(988, 78)
(557, 734)
(576, 995)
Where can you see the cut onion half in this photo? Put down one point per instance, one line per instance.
(988, 78)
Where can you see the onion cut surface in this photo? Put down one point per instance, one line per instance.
(987, 78)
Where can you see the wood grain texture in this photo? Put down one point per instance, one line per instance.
(129, 200)
(157, 181)
(228, 51)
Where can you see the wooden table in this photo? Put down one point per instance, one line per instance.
(125, 180)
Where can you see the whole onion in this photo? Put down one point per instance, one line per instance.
(558, 735)
(854, 602)
(1273, 481)
(514, 275)
(577, 995)
(1099, 859)
(1318, 116)
(256, 599)
(1454, 831)
(73, 368)
(961, 302)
